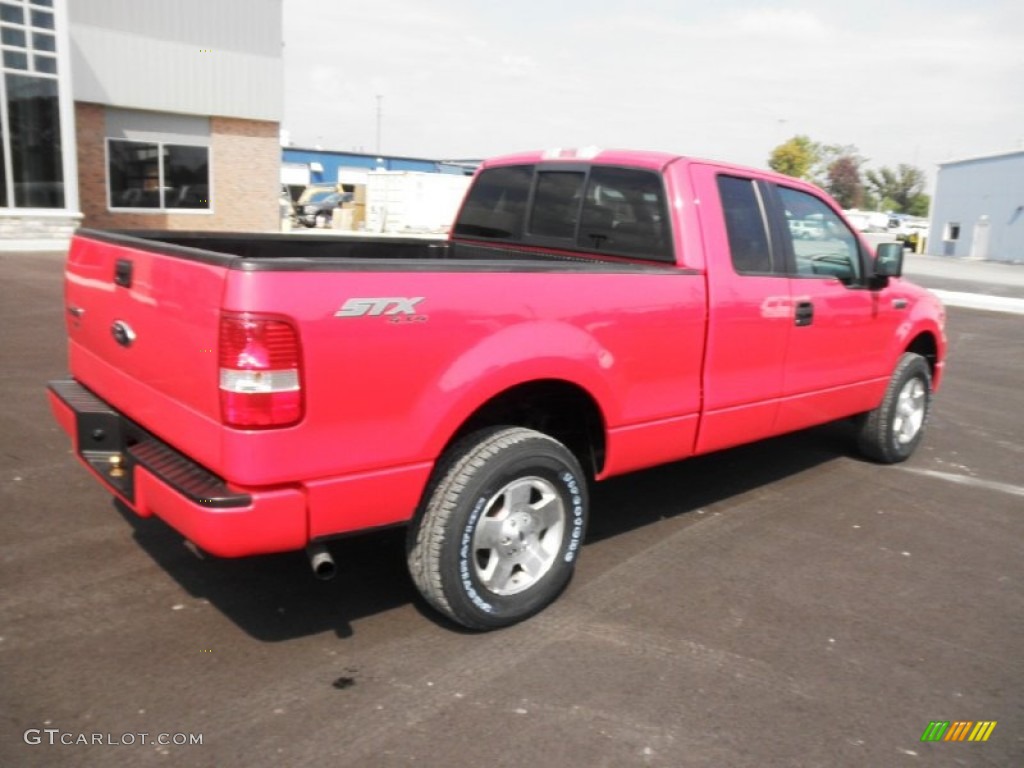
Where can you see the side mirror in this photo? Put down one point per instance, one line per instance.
(889, 260)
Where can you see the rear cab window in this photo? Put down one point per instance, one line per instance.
(556, 204)
(495, 208)
(593, 209)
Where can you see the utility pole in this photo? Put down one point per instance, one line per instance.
(379, 98)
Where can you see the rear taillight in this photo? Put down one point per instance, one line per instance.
(260, 371)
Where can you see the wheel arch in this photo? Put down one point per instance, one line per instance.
(926, 345)
(558, 408)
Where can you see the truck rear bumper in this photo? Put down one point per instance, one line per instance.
(152, 478)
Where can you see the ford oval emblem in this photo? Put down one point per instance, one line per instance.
(123, 333)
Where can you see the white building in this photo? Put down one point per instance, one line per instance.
(138, 114)
(978, 210)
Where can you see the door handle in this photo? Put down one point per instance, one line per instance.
(804, 313)
(123, 273)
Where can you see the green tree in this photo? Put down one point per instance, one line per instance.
(836, 168)
(843, 180)
(796, 157)
(900, 190)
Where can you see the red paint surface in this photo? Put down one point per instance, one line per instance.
(678, 364)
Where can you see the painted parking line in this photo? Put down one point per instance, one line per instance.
(974, 482)
(980, 301)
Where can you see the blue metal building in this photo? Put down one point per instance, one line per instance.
(978, 209)
(322, 166)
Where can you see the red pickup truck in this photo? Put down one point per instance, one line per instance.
(592, 313)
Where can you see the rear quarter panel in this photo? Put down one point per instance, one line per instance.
(381, 393)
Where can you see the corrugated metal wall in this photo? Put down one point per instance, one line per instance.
(331, 162)
(984, 199)
(209, 57)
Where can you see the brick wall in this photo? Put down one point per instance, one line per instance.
(247, 173)
(245, 163)
(89, 135)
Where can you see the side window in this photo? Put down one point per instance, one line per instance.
(823, 245)
(495, 207)
(556, 204)
(624, 213)
(749, 244)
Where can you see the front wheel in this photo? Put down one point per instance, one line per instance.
(890, 433)
(499, 531)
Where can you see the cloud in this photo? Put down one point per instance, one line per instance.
(780, 24)
(517, 66)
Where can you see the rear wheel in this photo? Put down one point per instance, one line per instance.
(500, 529)
(890, 433)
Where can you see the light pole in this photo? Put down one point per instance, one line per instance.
(379, 98)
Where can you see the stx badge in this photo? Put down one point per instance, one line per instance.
(392, 305)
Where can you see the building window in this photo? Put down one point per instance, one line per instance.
(14, 14)
(952, 231)
(31, 157)
(157, 176)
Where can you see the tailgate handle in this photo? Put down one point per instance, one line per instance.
(123, 273)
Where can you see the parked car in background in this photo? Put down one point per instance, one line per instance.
(868, 221)
(806, 229)
(318, 208)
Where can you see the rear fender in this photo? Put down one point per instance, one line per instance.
(523, 353)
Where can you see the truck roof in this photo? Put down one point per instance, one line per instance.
(655, 161)
(629, 157)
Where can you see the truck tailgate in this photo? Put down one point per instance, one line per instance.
(142, 335)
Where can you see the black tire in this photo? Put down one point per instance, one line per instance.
(890, 433)
(500, 528)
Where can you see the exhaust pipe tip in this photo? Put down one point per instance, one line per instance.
(321, 562)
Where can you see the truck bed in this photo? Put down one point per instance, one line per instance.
(146, 310)
(289, 252)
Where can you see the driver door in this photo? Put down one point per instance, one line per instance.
(835, 359)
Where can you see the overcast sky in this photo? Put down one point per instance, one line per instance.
(915, 81)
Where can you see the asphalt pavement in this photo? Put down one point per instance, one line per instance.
(781, 604)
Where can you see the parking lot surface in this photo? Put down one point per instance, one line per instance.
(780, 604)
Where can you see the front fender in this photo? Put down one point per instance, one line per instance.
(926, 317)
